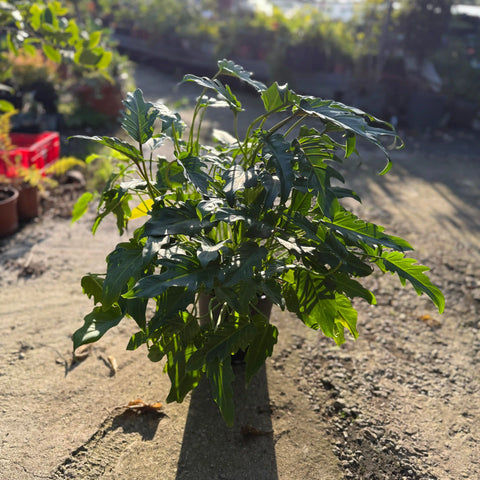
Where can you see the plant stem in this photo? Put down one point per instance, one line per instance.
(295, 124)
(144, 174)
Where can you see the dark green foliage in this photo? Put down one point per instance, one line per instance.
(259, 216)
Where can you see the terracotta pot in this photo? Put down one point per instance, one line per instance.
(27, 205)
(264, 305)
(8, 210)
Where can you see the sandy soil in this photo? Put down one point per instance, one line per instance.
(402, 402)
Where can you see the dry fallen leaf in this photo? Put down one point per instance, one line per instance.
(430, 321)
(113, 365)
(81, 353)
(140, 406)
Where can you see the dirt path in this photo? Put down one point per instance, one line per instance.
(400, 403)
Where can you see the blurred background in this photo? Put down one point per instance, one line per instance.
(415, 63)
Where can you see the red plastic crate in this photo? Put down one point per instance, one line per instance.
(32, 149)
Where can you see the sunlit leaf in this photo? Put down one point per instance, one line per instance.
(221, 377)
(6, 106)
(227, 67)
(81, 206)
(142, 209)
(52, 53)
(96, 324)
(408, 269)
(139, 117)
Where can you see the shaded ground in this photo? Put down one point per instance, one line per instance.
(402, 402)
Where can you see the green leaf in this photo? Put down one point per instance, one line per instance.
(171, 121)
(350, 145)
(178, 343)
(172, 301)
(358, 231)
(116, 144)
(315, 174)
(207, 253)
(6, 106)
(49, 17)
(29, 48)
(96, 324)
(343, 259)
(280, 158)
(343, 283)
(222, 342)
(51, 53)
(195, 171)
(182, 381)
(125, 262)
(278, 97)
(73, 30)
(316, 305)
(139, 118)
(183, 271)
(81, 206)
(135, 308)
(35, 16)
(11, 44)
(247, 260)
(346, 315)
(173, 221)
(222, 90)
(407, 269)
(92, 286)
(104, 61)
(155, 353)
(137, 340)
(94, 38)
(261, 347)
(115, 201)
(227, 67)
(337, 116)
(88, 56)
(221, 378)
(235, 178)
(169, 175)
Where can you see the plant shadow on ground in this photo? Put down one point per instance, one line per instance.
(146, 424)
(448, 170)
(245, 451)
(101, 452)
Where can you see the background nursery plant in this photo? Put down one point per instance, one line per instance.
(235, 224)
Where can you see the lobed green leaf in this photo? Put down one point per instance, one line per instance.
(407, 269)
(139, 117)
(96, 324)
(221, 377)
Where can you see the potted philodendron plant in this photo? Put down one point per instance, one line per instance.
(234, 224)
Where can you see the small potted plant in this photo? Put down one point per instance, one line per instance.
(234, 224)
(32, 181)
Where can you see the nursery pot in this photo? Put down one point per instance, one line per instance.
(8, 210)
(27, 205)
(264, 306)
